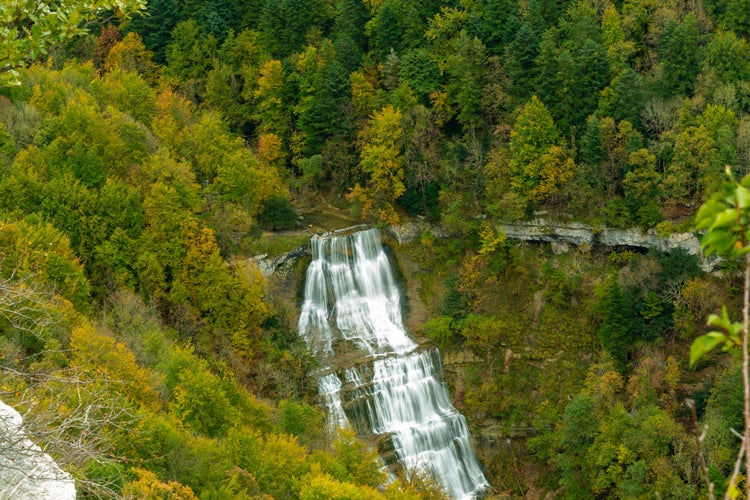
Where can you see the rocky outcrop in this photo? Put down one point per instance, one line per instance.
(573, 233)
(26, 472)
(412, 231)
(564, 235)
(578, 234)
(280, 264)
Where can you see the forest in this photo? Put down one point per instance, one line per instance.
(150, 148)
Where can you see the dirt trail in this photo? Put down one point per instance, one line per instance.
(325, 217)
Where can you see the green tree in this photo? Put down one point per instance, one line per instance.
(641, 182)
(580, 79)
(483, 335)
(538, 164)
(619, 49)
(417, 68)
(349, 19)
(624, 98)
(284, 25)
(617, 141)
(232, 82)
(264, 455)
(579, 429)
(39, 279)
(521, 54)
(189, 58)
(156, 28)
(620, 326)
(271, 108)
(732, 14)
(278, 213)
(729, 56)
(679, 55)
(215, 17)
(495, 22)
(385, 33)
(130, 55)
(422, 138)
(466, 79)
(130, 93)
(694, 169)
(318, 117)
(356, 462)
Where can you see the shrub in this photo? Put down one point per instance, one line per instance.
(277, 213)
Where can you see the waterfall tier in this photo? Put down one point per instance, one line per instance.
(352, 311)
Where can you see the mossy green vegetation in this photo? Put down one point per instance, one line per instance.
(580, 359)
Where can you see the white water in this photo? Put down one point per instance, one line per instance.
(353, 304)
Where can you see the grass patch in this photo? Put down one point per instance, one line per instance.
(276, 244)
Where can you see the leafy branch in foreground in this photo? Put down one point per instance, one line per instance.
(725, 218)
(29, 29)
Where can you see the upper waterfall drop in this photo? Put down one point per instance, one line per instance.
(352, 304)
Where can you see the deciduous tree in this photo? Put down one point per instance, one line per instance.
(538, 163)
(382, 159)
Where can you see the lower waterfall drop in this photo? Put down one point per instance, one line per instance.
(352, 310)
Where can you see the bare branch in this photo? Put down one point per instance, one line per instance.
(746, 367)
(699, 438)
(24, 307)
(70, 415)
(737, 464)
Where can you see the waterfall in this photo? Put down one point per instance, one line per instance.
(351, 320)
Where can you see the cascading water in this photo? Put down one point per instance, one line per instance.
(352, 310)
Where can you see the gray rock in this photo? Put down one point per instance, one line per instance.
(578, 234)
(280, 263)
(26, 472)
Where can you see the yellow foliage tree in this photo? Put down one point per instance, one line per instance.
(271, 152)
(270, 109)
(147, 485)
(382, 160)
(99, 354)
(320, 486)
(130, 55)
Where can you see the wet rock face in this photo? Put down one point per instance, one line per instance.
(373, 376)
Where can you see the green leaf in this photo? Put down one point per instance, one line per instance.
(714, 320)
(743, 197)
(717, 241)
(734, 332)
(705, 344)
(722, 321)
(724, 218)
(706, 213)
